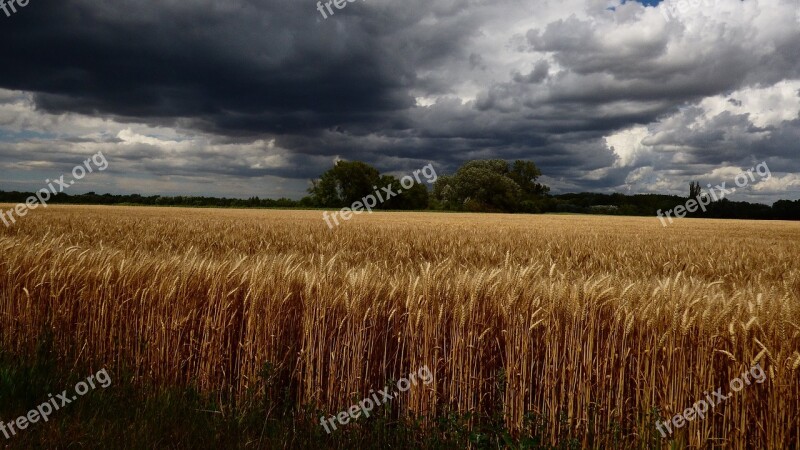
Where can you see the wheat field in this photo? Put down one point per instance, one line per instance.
(592, 320)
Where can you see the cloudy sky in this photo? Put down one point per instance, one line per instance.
(255, 97)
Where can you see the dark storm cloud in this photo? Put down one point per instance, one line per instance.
(255, 67)
(500, 80)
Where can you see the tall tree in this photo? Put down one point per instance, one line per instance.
(525, 174)
(694, 189)
(344, 184)
(415, 197)
(490, 185)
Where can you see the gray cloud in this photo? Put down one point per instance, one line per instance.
(245, 89)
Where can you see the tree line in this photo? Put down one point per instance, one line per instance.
(477, 186)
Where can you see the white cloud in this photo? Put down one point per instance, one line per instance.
(766, 106)
(627, 144)
(170, 159)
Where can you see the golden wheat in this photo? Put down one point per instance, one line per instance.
(583, 316)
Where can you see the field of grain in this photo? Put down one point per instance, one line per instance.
(590, 320)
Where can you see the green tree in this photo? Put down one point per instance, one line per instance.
(444, 195)
(344, 184)
(485, 186)
(415, 197)
(525, 174)
(491, 185)
(694, 189)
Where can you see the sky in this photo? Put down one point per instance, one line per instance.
(243, 98)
